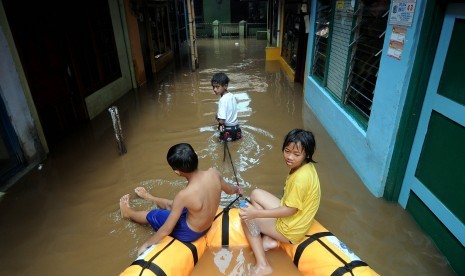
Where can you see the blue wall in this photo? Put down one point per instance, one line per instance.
(368, 151)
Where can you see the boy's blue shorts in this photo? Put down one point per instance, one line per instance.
(181, 230)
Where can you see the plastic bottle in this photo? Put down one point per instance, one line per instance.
(251, 224)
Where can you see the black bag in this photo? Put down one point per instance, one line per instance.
(231, 133)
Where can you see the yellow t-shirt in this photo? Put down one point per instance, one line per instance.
(301, 191)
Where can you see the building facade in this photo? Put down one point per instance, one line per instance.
(383, 78)
(60, 66)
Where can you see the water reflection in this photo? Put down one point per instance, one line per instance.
(243, 108)
(225, 258)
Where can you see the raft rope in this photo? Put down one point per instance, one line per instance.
(225, 211)
(226, 148)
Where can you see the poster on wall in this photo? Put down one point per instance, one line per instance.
(396, 42)
(402, 12)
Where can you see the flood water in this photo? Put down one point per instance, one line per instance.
(64, 219)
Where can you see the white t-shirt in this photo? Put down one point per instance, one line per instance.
(227, 109)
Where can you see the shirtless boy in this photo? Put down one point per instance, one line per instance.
(190, 214)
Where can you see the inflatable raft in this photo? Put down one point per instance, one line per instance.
(320, 253)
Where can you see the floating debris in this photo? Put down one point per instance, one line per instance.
(118, 130)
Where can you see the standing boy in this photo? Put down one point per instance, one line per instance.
(228, 125)
(191, 213)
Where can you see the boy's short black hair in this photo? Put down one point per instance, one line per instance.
(220, 78)
(182, 157)
(306, 140)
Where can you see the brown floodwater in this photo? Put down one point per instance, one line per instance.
(64, 219)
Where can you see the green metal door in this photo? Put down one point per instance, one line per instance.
(434, 185)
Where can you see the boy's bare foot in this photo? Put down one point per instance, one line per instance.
(269, 243)
(124, 206)
(142, 192)
(261, 270)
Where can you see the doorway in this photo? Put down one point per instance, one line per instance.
(67, 53)
(295, 37)
(433, 186)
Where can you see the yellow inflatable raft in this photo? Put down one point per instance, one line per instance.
(226, 230)
(320, 253)
(169, 257)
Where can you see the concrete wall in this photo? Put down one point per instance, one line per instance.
(369, 150)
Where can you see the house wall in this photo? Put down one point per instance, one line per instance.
(17, 98)
(368, 150)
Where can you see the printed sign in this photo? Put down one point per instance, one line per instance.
(396, 42)
(402, 12)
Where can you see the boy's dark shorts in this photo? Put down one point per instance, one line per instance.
(231, 133)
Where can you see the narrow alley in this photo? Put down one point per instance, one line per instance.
(63, 218)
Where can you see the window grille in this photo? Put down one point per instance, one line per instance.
(339, 48)
(366, 48)
(322, 27)
(347, 49)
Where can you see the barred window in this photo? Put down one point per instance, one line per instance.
(348, 45)
(322, 25)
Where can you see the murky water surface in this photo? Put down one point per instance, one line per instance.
(64, 219)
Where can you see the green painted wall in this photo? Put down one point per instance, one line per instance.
(428, 40)
(452, 81)
(441, 164)
(445, 241)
